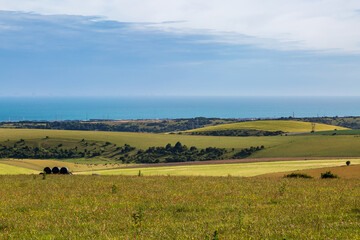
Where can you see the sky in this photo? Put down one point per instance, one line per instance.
(179, 48)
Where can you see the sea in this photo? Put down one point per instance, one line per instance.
(131, 108)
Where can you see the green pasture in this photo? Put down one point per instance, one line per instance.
(6, 169)
(238, 169)
(272, 125)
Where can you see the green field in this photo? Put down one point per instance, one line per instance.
(6, 169)
(272, 125)
(239, 169)
(124, 207)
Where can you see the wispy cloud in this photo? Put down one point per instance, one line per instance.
(279, 24)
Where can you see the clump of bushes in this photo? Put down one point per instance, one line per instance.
(328, 174)
(348, 163)
(297, 175)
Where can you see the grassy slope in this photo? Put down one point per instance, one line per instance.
(113, 207)
(6, 169)
(239, 169)
(277, 146)
(272, 125)
(141, 140)
(314, 146)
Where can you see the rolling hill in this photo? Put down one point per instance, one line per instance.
(271, 125)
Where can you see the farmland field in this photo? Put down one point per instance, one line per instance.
(124, 207)
(239, 169)
(6, 169)
(272, 125)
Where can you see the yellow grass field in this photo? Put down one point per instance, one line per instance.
(6, 169)
(272, 125)
(40, 164)
(238, 169)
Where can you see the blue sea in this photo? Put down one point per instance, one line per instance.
(56, 108)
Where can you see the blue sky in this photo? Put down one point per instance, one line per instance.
(186, 48)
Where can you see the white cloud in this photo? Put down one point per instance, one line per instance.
(325, 25)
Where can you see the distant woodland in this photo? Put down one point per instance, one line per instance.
(172, 125)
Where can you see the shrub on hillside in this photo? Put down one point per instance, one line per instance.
(348, 163)
(328, 174)
(297, 175)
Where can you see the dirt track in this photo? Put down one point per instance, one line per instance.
(235, 161)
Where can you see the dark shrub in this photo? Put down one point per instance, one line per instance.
(328, 175)
(297, 175)
(348, 163)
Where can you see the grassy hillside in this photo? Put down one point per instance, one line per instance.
(314, 146)
(275, 146)
(119, 207)
(140, 140)
(239, 169)
(272, 125)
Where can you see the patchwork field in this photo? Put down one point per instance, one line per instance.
(272, 125)
(179, 202)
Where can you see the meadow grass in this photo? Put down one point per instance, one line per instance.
(40, 164)
(238, 169)
(272, 125)
(123, 207)
(6, 169)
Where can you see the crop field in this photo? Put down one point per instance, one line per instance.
(272, 125)
(238, 169)
(124, 207)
